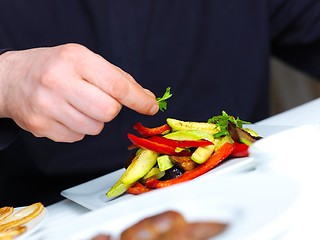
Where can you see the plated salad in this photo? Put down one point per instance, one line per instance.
(179, 151)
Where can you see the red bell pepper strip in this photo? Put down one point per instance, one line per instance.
(153, 183)
(175, 143)
(179, 143)
(240, 150)
(137, 189)
(146, 132)
(218, 156)
(157, 147)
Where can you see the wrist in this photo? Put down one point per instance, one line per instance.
(3, 76)
(8, 128)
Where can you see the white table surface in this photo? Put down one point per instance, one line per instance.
(304, 228)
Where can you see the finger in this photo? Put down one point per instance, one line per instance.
(92, 101)
(55, 118)
(59, 133)
(78, 122)
(118, 84)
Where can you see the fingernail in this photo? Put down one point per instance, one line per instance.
(154, 109)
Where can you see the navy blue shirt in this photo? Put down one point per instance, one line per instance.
(214, 55)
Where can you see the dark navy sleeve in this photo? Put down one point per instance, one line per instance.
(295, 33)
(8, 132)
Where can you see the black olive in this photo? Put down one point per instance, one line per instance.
(171, 173)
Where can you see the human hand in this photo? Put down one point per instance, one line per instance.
(66, 92)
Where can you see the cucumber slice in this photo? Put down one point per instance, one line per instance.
(139, 166)
(164, 162)
(178, 125)
(201, 154)
(118, 189)
(190, 135)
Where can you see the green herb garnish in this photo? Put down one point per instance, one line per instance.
(162, 101)
(222, 122)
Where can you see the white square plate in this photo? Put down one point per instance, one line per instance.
(92, 194)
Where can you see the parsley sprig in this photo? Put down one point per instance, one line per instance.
(222, 122)
(162, 101)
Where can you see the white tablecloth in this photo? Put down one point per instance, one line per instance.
(308, 206)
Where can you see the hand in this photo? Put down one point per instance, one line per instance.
(66, 92)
